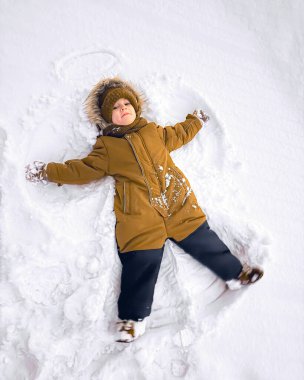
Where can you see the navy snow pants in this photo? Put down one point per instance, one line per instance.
(140, 269)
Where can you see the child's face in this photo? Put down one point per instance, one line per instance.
(123, 112)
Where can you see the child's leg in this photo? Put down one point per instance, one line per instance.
(206, 247)
(138, 278)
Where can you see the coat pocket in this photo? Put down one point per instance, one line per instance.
(128, 198)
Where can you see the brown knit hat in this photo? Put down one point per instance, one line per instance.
(107, 100)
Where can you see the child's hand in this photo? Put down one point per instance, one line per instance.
(35, 172)
(201, 116)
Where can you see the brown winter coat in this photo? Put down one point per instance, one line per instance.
(153, 198)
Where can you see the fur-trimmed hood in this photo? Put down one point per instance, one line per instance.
(91, 103)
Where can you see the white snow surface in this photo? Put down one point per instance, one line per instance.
(242, 63)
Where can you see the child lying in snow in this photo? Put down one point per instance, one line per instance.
(153, 199)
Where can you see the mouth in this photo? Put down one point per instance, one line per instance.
(125, 114)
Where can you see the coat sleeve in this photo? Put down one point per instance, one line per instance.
(80, 171)
(181, 133)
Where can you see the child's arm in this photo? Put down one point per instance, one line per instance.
(181, 133)
(78, 171)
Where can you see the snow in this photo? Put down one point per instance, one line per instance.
(240, 62)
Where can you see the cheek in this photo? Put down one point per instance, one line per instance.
(115, 115)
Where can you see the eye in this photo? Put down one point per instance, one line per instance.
(127, 103)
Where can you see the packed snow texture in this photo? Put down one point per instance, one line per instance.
(60, 273)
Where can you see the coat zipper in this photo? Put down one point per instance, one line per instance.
(148, 154)
(141, 168)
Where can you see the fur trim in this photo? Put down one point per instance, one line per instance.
(91, 102)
